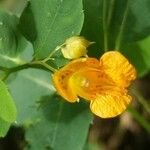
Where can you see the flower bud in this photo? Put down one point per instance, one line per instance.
(75, 47)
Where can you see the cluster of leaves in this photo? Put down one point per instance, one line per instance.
(43, 25)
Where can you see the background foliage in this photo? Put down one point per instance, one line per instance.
(30, 30)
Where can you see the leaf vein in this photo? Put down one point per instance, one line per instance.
(50, 29)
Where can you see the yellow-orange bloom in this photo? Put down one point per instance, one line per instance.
(102, 82)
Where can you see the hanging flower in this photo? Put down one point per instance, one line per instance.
(102, 82)
(75, 47)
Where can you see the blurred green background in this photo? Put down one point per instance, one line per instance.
(131, 130)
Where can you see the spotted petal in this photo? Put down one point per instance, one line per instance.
(87, 82)
(61, 77)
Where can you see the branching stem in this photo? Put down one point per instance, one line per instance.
(33, 64)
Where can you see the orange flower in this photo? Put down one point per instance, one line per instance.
(102, 82)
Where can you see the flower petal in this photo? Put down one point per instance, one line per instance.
(118, 68)
(61, 78)
(87, 82)
(110, 105)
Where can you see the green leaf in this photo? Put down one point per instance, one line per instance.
(93, 146)
(27, 22)
(118, 21)
(60, 125)
(53, 21)
(7, 107)
(128, 24)
(27, 88)
(92, 27)
(138, 53)
(47, 117)
(4, 127)
(14, 48)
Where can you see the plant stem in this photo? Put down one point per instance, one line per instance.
(8, 71)
(105, 25)
(140, 98)
(33, 64)
(111, 8)
(4, 77)
(119, 36)
(43, 64)
(52, 53)
(137, 116)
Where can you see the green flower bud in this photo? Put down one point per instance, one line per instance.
(75, 47)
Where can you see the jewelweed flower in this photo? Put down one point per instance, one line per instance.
(102, 82)
(75, 47)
